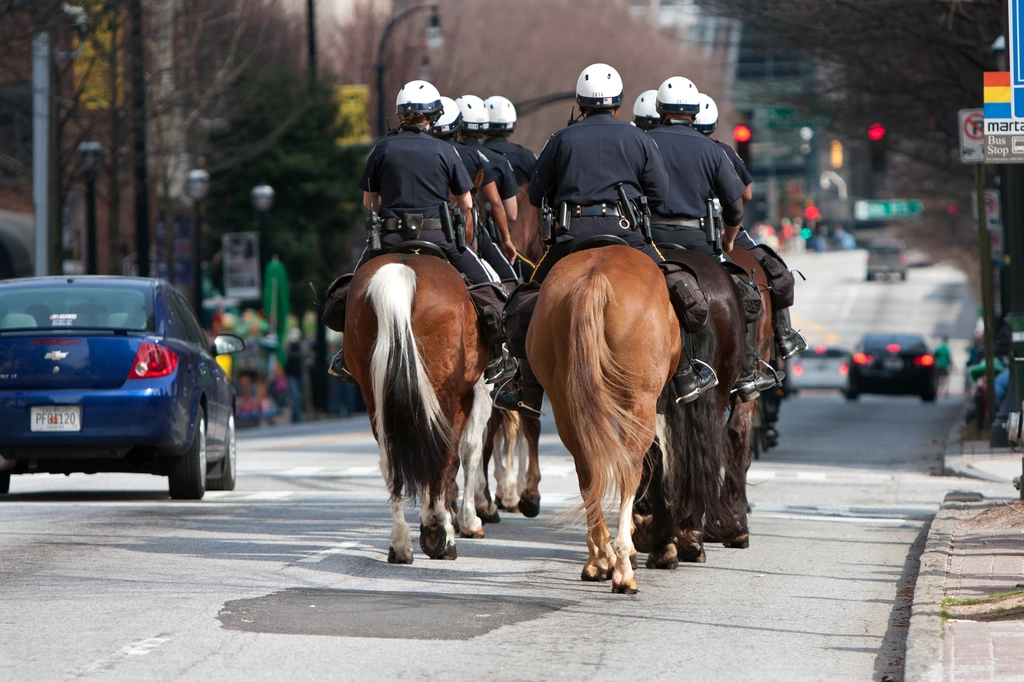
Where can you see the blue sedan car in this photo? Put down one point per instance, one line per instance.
(113, 374)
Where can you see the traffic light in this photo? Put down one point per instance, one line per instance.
(876, 133)
(741, 134)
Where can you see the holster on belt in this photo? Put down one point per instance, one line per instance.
(413, 224)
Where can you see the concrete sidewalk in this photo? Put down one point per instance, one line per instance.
(976, 459)
(964, 626)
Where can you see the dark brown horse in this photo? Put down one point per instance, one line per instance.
(603, 354)
(681, 483)
(413, 345)
(731, 527)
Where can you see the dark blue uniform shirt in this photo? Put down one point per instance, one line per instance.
(741, 168)
(496, 169)
(473, 162)
(521, 158)
(582, 164)
(413, 172)
(697, 169)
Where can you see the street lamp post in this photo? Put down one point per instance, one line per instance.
(90, 154)
(435, 40)
(262, 197)
(197, 184)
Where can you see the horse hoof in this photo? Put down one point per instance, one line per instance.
(432, 540)
(530, 506)
(592, 574)
(643, 538)
(479, 533)
(664, 558)
(508, 508)
(449, 553)
(628, 588)
(393, 557)
(741, 541)
(488, 517)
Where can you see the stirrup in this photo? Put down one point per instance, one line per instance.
(512, 401)
(338, 369)
(794, 344)
(500, 369)
(704, 378)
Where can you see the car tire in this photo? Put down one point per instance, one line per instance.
(226, 481)
(851, 395)
(928, 397)
(5, 484)
(187, 480)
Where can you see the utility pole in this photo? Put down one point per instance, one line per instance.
(311, 35)
(41, 102)
(139, 114)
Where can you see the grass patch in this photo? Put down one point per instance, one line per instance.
(969, 432)
(949, 601)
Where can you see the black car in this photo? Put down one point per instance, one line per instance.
(894, 364)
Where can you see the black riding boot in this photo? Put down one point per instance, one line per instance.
(489, 299)
(527, 398)
(335, 303)
(791, 342)
(692, 377)
(752, 381)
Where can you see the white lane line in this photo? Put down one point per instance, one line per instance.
(268, 495)
(810, 476)
(335, 548)
(361, 472)
(301, 471)
(139, 648)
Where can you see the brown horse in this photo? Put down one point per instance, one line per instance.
(681, 482)
(731, 527)
(603, 354)
(413, 345)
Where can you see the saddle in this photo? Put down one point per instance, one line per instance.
(419, 247)
(598, 240)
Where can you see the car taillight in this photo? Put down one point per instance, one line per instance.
(844, 370)
(893, 348)
(798, 370)
(924, 361)
(153, 361)
(862, 359)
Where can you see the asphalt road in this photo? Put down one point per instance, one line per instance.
(286, 577)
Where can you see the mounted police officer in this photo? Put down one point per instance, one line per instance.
(789, 341)
(407, 181)
(501, 114)
(699, 170)
(584, 170)
(645, 110)
(484, 176)
(496, 170)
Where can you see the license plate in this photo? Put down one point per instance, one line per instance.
(56, 418)
(893, 364)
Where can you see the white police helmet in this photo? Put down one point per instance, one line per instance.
(501, 113)
(678, 95)
(474, 113)
(707, 118)
(418, 97)
(645, 110)
(450, 120)
(599, 87)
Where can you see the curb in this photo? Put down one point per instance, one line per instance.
(924, 655)
(953, 461)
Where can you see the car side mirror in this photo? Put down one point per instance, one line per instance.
(225, 344)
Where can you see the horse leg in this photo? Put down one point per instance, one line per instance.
(470, 525)
(486, 508)
(504, 464)
(437, 534)
(400, 551)
(657, 529)
(600, 558)
(529, 497)
(623, 580)
(734, 531)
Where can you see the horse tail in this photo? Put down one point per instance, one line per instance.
(413, 433)
(611, 437)
(695, 433)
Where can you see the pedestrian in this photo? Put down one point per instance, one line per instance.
(943, 364)
(297, 360)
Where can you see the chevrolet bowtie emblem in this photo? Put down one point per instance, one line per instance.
(56, 355)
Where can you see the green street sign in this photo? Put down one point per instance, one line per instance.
(893, 209)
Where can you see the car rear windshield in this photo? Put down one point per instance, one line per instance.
(65, 306)
(885, 248)
(907, 344)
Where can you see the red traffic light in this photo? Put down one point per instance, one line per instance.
(876, 132)
(741, 133)
(812, 213)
